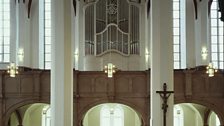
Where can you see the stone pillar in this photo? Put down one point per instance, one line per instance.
(1, 99)
(80, 37)
(144, 49)
(35, 41)
(161, 59)
(187, 33)
(202, 31)
(77, 23)
(62, 64)
(13, 30)
(23, 35)
(148, 37)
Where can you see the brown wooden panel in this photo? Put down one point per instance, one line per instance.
(179, 83)
(139, 84)
(198, 85)
(101, 84)
(27, 84)
(12, 85)
(85, 84)
(121, 84)
(216, 86)
(45, 82)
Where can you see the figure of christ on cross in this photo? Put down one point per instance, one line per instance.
(164, 95)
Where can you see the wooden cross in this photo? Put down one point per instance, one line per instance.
(164, 95)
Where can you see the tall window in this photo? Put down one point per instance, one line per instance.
(176, 34)
(4, 30)
(47, 34)
(216, 36)
(112, 25)
(111, 116)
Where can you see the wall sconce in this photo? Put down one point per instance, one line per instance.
(211, 70)
(76, 54)
(12, 69)
(146, 55)
(76, 57)
(20, 54)
(110, 69)
(204, 53)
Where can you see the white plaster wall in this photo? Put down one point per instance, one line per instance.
(27, 31)
(133, 62)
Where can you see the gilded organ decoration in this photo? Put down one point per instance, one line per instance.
(112, 25)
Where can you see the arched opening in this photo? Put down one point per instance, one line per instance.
(29, 115)
(178, 115)
(191, 114)
(111, 114)
(33, 115)
(46, 116)
(213, 119)
(13, 121)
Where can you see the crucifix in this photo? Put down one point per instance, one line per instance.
(164, 95)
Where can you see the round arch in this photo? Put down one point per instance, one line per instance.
(15, 106)
(205, 103)
(210, 115)
(36, 109)
(178, 115)
(85, 109)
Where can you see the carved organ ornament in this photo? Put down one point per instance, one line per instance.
(112, 25)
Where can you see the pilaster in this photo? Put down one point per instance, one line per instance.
(188, 34)
(62, 64)
(202, 33)
(161, 59)
(23, 35)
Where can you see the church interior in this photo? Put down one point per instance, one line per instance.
(111, 63)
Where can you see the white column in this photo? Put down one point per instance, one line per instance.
(77, 25)
(35, 39)
(148, 37)
(62, 64)
(144, 48)
(187, 33)
(13, 30)
(161, 59)
(23, 35)
(80, 41)
(202, 33)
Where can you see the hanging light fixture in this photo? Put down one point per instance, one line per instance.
(211, 70)
(110, 69)
(12, 69)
